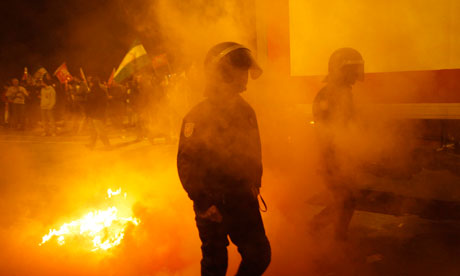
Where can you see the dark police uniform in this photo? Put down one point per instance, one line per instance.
(333, 110)
(219, 163)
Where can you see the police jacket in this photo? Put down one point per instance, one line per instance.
(333, 106)
(219, 151)
(333, 111)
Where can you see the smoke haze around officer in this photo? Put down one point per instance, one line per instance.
(289, 150)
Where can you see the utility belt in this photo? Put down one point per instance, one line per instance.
(239, 195)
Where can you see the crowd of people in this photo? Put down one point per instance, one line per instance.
(47, 107)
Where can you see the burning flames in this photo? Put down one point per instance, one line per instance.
(105, 228)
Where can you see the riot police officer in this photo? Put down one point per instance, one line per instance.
(333, 112)
(220, 167)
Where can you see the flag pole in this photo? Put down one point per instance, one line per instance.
(84, 78)
(111, 78)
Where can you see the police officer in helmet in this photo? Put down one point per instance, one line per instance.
(333, 112)
(220, 167)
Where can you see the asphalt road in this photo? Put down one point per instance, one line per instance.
(379, 243)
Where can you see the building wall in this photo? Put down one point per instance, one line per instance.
(416, 86)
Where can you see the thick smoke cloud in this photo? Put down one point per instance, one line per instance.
(43, 187)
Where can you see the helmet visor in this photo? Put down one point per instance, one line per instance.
(240, 57)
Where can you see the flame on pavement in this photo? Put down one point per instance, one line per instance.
(104, 228)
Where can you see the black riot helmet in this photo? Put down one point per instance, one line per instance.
(345, 61)
(236, 54)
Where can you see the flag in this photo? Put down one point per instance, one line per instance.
(135, 60)
(63, 74)
(110, 81)
(159, 61)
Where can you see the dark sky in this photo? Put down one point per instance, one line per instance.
(93, 34)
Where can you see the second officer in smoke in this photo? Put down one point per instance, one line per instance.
(334, 112)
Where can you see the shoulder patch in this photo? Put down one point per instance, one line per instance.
(188, 129)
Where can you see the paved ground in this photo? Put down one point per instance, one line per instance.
(42, 177)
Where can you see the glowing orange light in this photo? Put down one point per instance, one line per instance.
(105, 228)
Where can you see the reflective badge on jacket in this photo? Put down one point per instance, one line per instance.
(188, 129)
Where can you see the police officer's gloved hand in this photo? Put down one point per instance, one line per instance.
(211, 214)
(202, 201)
